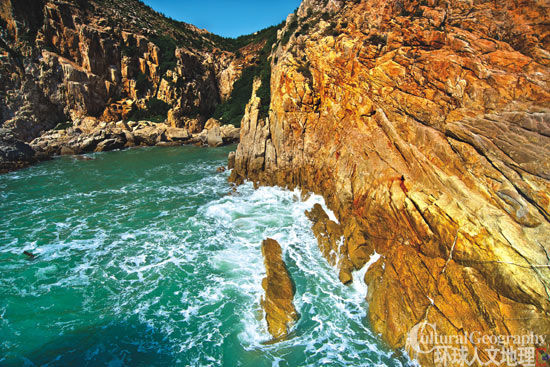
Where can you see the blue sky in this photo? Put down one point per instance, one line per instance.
(228, 18)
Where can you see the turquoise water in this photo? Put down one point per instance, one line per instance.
(145, 259)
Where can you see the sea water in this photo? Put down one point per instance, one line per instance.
(148, 257)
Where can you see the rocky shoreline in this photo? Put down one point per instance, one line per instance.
(89, 135)
(428, 139)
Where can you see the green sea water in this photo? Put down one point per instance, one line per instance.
(146, 257)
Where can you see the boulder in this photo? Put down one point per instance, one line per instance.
(214, 137)
(176, 134)
(211, 123)
(279, 288)
(13, 152)
(110, 144)
(230, 133)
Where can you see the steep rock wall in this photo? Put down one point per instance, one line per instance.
(426, 126)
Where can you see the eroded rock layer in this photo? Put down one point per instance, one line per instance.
(426, 127)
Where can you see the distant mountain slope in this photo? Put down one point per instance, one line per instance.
(111, 59)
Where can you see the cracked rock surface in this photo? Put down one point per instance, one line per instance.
(425, 125)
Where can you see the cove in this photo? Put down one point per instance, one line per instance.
(146, 257)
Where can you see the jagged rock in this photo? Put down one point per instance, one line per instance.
(255, 141)
(425, 127)
(231, 160)
(280, 312)
(330, 238)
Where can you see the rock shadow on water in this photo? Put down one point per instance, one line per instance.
(116, 344)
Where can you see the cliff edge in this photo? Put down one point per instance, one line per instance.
(426, 127)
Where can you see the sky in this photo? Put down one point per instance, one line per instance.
(228, 18)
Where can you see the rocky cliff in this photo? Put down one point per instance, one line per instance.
(61, 61)
(426, 127)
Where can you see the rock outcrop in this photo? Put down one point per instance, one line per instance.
(278, 305)
(425, 125)
(330, 237)
(14, 153)
(111, 60)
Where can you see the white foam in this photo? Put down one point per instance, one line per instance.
(180, 275)
(359, 276)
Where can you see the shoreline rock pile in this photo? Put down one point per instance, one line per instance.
(90, 135)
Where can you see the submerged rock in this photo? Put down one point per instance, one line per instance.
(280, 312)
(30, 255)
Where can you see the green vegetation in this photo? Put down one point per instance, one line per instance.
(234, 44)
(155, 110)
(129, 50)
(143, 84)
(167, 46)
(291, 28)
(232, 111)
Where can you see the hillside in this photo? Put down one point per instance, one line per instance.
(62, 61)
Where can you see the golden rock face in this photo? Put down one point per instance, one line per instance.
(280, 313)
(425, 125)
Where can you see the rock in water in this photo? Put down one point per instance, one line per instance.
(280, 313)
(330, 239)
(13, 152)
